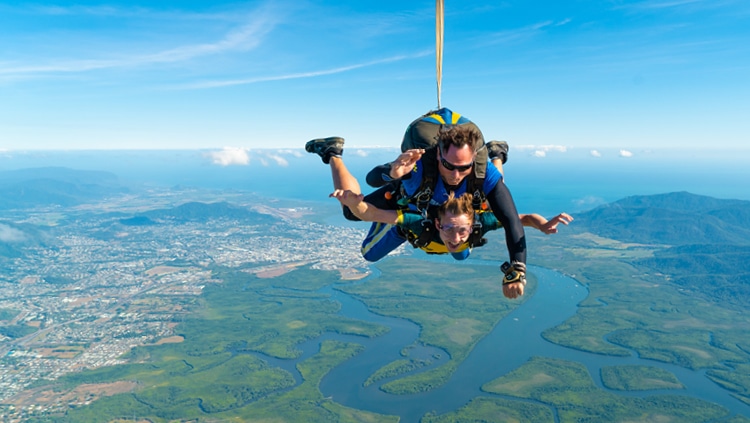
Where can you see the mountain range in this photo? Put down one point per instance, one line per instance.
(55, 186)
(706, 240)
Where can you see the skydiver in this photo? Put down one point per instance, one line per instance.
(453, 160)
(452, 227)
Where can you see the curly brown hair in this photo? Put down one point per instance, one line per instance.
(458, 136)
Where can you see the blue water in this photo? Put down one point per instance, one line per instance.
(572, 181)
(511, 343)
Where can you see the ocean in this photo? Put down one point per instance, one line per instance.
(541, 182)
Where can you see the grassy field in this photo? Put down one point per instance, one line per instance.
(568, 387)
(638, 378)
(632, 307)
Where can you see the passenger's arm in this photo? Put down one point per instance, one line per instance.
(546, 226)
(364, 210)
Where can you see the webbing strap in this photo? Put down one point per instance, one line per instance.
(439, 13)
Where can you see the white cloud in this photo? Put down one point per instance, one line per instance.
(541, 150)
(230, 156)
(333, 71)
(558, 148)
(295, 153)
(361, 153)
(244, 38)
(545, 148)
(8, 234)
(625, 153)
(595, 153)
(279, 160)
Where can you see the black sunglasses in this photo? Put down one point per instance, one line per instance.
(450, 166)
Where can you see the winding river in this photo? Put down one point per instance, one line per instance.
(511, 343)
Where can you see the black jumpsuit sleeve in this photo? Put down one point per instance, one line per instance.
(378, 176)
(504, 210)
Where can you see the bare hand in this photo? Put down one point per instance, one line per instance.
(404, 163)
(513, 290)
(348, 198)
(551, 226)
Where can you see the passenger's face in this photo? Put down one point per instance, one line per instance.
(456, 163)
(454, 230)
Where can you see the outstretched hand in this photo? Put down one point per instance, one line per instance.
(404, 163)
(513, 290)
(551, 226)
(347, 198)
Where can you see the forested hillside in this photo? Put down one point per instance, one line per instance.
(706, 240)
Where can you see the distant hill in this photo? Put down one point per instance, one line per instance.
(678, 218)
(201, 212)
(29, 188)
(707, 240)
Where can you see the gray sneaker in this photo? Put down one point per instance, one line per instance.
(326, 147)
(498, 149)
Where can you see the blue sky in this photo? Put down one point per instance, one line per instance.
(628, 75)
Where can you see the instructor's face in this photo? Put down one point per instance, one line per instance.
(456, 163)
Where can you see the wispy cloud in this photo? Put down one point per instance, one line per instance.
(245, 37)
(595, 153)
(8, 234)
(663, 4)
(294, 153)
(141, 13)
(626, 153)
(523, 33)
(542, 150)
(279, 160)
(545, 148)
(313, 74)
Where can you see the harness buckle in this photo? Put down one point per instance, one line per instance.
(422, 199)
